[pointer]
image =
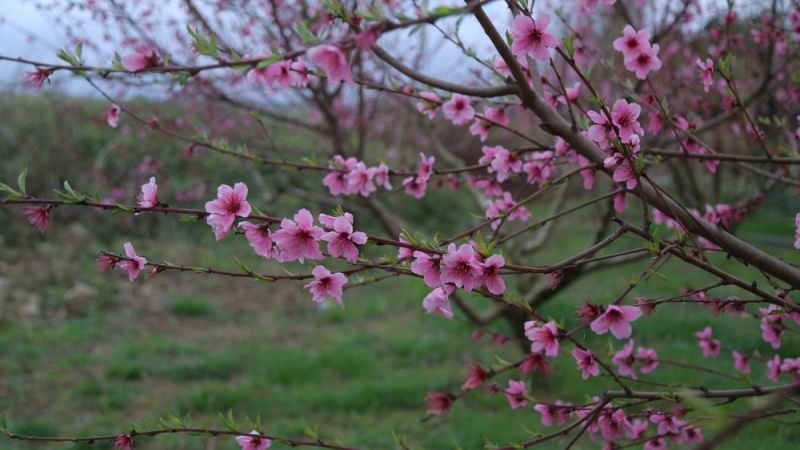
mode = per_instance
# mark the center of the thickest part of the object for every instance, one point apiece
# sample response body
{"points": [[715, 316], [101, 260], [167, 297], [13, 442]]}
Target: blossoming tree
{"points": [[676, 129]]}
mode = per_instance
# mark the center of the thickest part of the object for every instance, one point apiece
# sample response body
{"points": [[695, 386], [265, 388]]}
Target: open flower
{"points": [[112, 116], [38, 216], [144, 57], [333, 61], [617, 319], [133, 265], [326, 284], [530, 37], [253, 442], [148, 198], [230, 202], [299, 238], [516, 393]]}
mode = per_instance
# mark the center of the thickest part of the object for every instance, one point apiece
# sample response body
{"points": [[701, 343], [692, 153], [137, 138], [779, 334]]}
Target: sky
{"points": [[33, 33]]}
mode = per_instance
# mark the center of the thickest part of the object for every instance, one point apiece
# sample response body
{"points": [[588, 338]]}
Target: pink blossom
{"points": [[772, 328], [543, 337], [710, 346], [301, 73], [438, 301], [360, 179], [624, 360], [112, 116], [617, 319], [326, 284], [123, 442], [148, 198], [740, 362], [797, 223], [230, 202], [38, 216], [553, 278], [491, 279], [792, 366], [342, 240], [299, 238], [773, 368], [476, 375], [632, 42], [706, 73], [586, 362], [649, 359], [253, 442], [438, 403], [337, 180], [260, 238], [646, 61], [601, 129], [530, 37], [367, 38], [133, 265], [667, 423], [425, 166], [612, 425], [491, 116], [333, 61], [516, 393], [107, 262], [403, 253], [637, 429], [381, 176], [655, 443], [461, 267], [535, 361], [429, 104], [619, 202], [427, 266], [458, 109], [505, 205], [624, 117], [35, 80], [144, 57]]}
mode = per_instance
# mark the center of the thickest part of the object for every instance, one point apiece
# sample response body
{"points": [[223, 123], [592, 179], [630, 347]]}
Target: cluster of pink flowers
{"points": [[625, 126], [352, 176], [483, 125], [506, 205], [286, 73], [711, 347], [639, 55], [613, 423], [462, 267], [624, 359], [417, 184]]}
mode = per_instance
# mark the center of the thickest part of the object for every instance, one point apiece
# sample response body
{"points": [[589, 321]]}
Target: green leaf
{"points": [[227, 421], [242, 266], [10, 191], [313, 433], [569, 44], [3, 422], [79, 50], [268, 61], [305, 34], [444, 11]]}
